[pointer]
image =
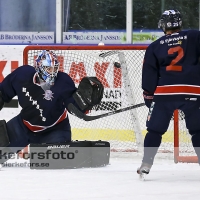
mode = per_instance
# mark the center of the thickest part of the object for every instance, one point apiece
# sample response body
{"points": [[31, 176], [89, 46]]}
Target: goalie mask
{"points": [[170, 20], [47, 66]]}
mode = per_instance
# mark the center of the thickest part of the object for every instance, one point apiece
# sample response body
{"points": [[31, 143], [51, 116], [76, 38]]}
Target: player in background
{"points": [[44, 94], [170, 81]]}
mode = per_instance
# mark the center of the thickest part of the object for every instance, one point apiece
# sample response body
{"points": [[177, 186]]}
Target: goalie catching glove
{"points": [[89, 93]]}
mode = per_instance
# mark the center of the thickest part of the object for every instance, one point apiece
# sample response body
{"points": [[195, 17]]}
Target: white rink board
{"points": [[10, 53]]}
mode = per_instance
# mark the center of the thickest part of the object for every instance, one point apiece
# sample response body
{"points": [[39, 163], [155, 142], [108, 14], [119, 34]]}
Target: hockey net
{"points": [[125, 131]]}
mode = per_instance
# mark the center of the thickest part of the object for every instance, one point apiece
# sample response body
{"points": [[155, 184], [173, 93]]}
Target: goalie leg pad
{"points": [[100, 153], [70, 155], [4, 139]]}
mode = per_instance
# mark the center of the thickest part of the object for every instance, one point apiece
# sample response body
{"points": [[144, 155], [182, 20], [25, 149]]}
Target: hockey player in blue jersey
{"points": [[44, 94], [170, 81]]}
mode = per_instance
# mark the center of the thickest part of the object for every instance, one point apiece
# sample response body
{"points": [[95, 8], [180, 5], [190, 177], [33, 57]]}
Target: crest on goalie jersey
{"points": [[48, 95]]}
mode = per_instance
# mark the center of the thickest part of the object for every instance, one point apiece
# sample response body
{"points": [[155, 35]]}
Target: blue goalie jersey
{"points": [[171, 68], [41, 109]]}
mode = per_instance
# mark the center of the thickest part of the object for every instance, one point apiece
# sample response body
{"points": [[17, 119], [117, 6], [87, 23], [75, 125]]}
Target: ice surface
{"points": [[117, 181]]}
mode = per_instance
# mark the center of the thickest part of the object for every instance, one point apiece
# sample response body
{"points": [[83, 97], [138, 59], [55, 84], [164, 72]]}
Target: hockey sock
{"points": [[152, 142]]}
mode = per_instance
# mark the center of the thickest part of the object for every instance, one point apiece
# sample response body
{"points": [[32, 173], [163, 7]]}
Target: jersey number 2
{"points": [[173, 66]]}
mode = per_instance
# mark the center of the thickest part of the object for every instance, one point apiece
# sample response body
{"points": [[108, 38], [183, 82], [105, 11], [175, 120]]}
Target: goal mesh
{"points": [[125, 131]]}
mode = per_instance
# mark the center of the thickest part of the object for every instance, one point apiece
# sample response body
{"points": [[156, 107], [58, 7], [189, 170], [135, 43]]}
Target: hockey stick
{"points": [[103, 54], [85, 117]]}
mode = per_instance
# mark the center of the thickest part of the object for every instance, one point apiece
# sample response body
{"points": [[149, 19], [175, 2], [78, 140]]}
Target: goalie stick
{"points": [[85, 117]]}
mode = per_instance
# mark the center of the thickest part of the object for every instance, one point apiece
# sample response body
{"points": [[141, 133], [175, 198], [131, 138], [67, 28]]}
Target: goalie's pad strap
{"points": [[4, 139]]}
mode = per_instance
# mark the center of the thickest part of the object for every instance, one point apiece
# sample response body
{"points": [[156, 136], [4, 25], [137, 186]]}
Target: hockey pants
{"points": [[20, 136]]}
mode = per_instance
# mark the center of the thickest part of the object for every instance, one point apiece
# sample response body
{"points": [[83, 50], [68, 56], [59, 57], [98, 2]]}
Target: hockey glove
{"points": [[89, 93], [148, 99]]}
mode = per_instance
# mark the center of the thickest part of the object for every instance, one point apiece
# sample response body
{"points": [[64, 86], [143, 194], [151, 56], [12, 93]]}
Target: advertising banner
{"points": [[26, 37], [109, 37]]}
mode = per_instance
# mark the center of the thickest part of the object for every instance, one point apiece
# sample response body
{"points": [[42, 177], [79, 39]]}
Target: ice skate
{"points": [[144, 170]]}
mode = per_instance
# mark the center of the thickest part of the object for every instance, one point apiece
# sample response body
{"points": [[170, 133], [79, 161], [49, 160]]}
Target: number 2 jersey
{"points": [[171, 68], [41, 110]]}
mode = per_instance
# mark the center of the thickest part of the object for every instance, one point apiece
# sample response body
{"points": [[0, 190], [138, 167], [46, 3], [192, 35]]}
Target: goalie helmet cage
{"points": [[119, 69]]}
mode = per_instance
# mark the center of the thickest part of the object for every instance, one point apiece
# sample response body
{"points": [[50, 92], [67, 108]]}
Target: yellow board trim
{"points": [[119, 135]]}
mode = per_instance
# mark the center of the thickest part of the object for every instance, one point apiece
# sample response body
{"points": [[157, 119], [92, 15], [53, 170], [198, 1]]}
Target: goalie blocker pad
{"points": [[70, 155]]}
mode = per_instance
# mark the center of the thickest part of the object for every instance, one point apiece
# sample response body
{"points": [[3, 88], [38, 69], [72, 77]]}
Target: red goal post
{"points": [[125, 131]]}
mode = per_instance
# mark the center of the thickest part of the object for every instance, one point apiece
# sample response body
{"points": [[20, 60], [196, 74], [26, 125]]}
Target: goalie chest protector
{"points": [[70, 155]]}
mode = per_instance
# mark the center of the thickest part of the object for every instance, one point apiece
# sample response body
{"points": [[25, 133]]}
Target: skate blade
{"points": [[142, 176]]}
